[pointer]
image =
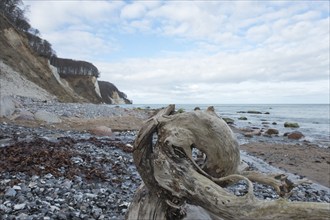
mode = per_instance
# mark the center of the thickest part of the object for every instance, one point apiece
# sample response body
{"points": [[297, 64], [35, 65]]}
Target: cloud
{"points": [[271, 73], [258, 34], [133, 11], [232, 93], [57, 15], [82, 45], [224, 52]]}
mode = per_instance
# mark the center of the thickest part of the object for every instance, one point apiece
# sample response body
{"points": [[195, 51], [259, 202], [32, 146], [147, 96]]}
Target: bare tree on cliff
{"points": [[14, 11], [69, 67]]}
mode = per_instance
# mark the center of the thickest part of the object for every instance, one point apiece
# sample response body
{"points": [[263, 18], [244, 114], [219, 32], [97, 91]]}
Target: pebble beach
{"points": [[66, 170]]}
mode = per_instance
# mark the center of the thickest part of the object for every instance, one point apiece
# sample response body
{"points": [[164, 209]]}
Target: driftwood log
{"points": [[178, 185]]}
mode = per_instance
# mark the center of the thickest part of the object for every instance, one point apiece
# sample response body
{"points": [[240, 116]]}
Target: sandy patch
{"points": [[116, 123], [303, 159]]}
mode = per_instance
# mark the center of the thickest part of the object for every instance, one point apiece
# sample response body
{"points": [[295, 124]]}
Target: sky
{"points": [[196, 52]]}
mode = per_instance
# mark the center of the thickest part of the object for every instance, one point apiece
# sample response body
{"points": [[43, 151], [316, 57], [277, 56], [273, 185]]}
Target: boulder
{"points": [[24, 115], [254, 112], [296, 135], [252, 132], [242, 118], [42, 115], [248, 129], [291, 125], [248, 134], [7, 106], [229, 120], [272, 131], [101, 131]]}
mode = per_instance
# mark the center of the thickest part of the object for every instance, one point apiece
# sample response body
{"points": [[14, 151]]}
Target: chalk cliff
{"points": [[66, 80]]}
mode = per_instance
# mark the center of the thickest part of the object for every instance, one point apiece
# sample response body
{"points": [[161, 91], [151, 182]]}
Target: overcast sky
{"points": [[207, 52]]}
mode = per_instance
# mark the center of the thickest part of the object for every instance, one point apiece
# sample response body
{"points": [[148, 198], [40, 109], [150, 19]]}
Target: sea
{"points": [[313, 119]]}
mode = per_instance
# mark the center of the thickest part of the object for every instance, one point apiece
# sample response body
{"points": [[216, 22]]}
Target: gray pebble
{"points": [[17, 187], [96, 212], [19, 206], [11, 192]]}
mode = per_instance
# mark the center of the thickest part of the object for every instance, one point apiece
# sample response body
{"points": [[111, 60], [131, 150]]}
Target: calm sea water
{"points": [[313, 119]]}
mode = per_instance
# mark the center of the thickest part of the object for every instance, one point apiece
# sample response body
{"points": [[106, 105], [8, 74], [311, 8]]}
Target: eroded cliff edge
{"points": [[21, 66]]}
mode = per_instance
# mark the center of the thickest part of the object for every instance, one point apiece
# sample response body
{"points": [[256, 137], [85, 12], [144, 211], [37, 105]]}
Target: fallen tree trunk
{"points": [[176, 187]]}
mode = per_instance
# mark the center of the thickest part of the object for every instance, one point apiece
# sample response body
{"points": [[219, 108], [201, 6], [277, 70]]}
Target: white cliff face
{"points": [[97, 88], [13, 83], [63, 82], [54, 71], [20, 58], [115, 99], [66, 86]]}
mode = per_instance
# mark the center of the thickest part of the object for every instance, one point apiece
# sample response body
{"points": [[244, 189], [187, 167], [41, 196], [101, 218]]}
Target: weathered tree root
{"points": [[176, 187], [279, 182]]}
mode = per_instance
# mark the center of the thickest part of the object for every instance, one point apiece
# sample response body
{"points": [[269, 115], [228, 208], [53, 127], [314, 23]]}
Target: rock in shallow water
{"points": [[296, 135], [291, 125], [272, 131], [229, 120]]}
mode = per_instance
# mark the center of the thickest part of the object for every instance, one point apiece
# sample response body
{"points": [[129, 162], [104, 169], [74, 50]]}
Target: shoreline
{"points": [[297, 157], [303, 159], [65, 170]]}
